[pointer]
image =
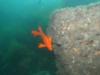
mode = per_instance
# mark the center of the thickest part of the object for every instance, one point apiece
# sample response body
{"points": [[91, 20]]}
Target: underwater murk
{"points": [[19, 52]]}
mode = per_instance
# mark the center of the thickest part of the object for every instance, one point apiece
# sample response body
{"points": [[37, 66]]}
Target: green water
{"points": [[19, 54]]}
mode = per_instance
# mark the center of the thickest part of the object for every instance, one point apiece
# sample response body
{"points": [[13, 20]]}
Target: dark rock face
{"points": [[76, 37]]}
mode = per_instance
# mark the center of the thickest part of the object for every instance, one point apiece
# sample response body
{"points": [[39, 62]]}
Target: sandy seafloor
{"points": [[19, 54]]}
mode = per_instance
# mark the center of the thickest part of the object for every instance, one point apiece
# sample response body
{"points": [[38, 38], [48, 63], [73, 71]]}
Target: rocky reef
{"points": [[76, 39]]}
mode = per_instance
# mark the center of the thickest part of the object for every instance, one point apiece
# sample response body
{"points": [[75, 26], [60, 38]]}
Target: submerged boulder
{"points": [[76, 39]]}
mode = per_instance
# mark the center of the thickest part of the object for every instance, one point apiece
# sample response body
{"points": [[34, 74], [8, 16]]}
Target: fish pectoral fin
{"points": [[41, 45], [49, 38], [35, 33]]}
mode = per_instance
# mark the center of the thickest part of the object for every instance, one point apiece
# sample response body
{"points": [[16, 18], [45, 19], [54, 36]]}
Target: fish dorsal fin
{"points": [[41, 45]]}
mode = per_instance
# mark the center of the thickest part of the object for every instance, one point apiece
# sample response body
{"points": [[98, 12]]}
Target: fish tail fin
{"points": [[39, 29], [35, 33]]}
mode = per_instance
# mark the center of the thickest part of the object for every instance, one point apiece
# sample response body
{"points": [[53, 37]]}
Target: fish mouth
{"points": [[50, 49]]}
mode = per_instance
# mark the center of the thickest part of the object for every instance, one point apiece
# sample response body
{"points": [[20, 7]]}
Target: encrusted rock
{"points": [[76, 37]]}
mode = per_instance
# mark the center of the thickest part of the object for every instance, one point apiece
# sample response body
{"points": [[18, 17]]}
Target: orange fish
{"points": [[47, 40]]}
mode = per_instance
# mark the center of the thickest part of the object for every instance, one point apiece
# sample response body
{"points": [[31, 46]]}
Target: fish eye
{"points": [[58, 44]]}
